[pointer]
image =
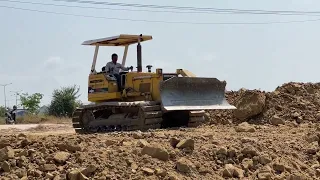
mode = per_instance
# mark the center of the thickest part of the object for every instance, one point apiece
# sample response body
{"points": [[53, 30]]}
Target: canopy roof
{"points": [[120, 40]]}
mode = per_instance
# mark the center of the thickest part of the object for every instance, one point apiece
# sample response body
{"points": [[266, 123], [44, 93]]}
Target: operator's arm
{"points": [[125, 68]]}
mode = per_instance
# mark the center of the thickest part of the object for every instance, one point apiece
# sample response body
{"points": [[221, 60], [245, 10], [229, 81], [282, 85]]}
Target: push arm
{"points": [[185, 73]]}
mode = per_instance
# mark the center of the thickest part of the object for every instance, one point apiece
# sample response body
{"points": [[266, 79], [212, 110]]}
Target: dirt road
{"points": [[37, 128]]}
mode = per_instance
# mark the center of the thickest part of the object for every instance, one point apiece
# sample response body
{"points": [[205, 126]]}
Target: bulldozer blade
{"points": [[193, 93]]}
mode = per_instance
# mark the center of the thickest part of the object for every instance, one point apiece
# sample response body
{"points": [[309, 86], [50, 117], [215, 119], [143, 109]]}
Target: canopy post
{"points": [[139, 55], [125, 55], [93, 67]]}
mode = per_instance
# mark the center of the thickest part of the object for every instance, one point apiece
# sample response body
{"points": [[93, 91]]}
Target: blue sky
{"points": [[41, 52]]}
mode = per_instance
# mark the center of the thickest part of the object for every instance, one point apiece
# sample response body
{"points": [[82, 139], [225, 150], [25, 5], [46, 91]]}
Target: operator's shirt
{"points": [[115, 68]]}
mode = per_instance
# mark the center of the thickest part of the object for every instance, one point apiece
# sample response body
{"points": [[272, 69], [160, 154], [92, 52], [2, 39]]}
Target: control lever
{"points": [[149, 68]]}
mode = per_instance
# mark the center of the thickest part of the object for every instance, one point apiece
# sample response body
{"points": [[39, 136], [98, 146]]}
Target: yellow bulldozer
{"points": [[145, 100]]}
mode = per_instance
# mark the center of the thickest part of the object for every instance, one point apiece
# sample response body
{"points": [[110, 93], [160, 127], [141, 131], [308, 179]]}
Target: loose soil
{"points": [[274, 135]]}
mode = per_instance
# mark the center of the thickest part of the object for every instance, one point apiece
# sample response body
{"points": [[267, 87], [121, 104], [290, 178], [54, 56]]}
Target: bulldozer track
{"points": [[138, 116]]}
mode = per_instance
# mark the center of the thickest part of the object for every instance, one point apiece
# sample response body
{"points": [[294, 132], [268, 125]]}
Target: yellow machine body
{"points": [[143, 86]]}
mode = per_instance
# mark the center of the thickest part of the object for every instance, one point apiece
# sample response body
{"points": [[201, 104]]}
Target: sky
{"points": [[41, 52]]}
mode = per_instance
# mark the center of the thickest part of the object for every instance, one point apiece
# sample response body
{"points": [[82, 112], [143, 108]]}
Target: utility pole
{"points": [[16, 93], [4, 92]]}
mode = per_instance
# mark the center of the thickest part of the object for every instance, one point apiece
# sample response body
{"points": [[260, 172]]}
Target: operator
{"points": [[113, 68]]}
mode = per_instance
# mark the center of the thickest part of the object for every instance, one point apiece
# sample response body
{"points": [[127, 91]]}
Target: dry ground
{"points": [[213, 152], [283, 144]]}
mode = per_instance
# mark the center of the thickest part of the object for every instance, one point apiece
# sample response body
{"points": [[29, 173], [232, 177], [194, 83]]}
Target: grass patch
{"points": [[2, 120], [40, 119]]}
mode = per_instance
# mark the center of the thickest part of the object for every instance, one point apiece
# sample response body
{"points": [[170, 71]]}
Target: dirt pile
{"points": [[297, 102], [217, 152]]}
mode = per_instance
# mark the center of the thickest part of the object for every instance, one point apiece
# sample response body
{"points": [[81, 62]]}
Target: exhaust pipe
{"points": [[139, 55]]}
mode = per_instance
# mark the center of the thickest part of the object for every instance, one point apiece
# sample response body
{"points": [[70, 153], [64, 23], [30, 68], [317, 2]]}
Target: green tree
{"points": [[64, 101], [31, 102], [2, 111]]}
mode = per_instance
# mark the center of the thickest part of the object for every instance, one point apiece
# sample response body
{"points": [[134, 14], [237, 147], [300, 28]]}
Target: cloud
{"points": [[166, 66], [53, 63], [209, 57]]}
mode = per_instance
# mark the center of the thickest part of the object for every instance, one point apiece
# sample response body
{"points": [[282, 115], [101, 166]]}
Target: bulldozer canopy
{"points": [[120, 40]]}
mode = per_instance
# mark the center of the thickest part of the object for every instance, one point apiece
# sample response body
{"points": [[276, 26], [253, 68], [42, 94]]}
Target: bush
{"points": [[31, 102], [2, 111], [64, 101]]}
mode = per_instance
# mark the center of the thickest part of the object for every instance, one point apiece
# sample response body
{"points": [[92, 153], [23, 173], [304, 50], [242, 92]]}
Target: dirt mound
{"points": [[297, 102], [249, 104], [217, 152]]}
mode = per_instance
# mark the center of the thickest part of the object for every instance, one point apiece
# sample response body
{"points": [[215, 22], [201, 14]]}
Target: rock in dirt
{"points": [[245, 127], [6, 166], [277, 166], [247, 163], [156, 151], [6, 153], [222, 150], [4, 143], [264, 159], [232, 153], [249, 151], [276, 120], [185, 165], [137, 135], [312, 148], [110, 142], [22, 153], [311, 137], [70, 146], [73, 175], [173, 176], [174, 142], [160, 172], [22, 135], [21, 172], [186, 143], [49, 167], [88, 170], [142, 143], [25, 142], [49, 176], [61, 157], [249, 104], [230, 171], [264, 176], [83, 177], [148, 171], [265, 173], [296, 177]]}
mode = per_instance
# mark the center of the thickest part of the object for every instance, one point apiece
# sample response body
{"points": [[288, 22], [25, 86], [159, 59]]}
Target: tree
{"points": [[2, 111], [31, 102], [64, 101]]}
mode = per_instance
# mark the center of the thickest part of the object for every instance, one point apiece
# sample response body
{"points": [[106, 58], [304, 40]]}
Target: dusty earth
{"points": [[272, 135]]}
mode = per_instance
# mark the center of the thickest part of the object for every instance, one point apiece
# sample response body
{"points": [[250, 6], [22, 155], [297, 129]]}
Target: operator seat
{"points": [[123, 78]]}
